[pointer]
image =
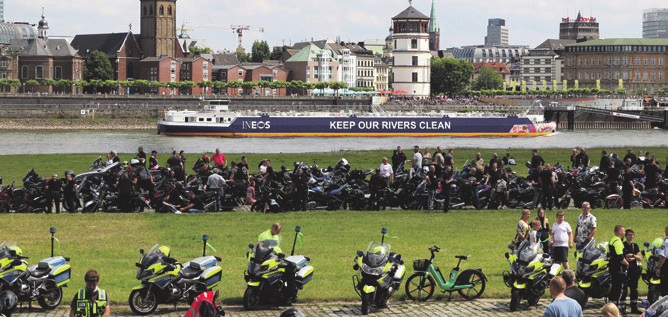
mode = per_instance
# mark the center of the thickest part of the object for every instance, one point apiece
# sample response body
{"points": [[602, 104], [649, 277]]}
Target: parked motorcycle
{"points": [[166, 281], [651, 257], [265, 274], [529, 274], [592, 269], [380, 274]]}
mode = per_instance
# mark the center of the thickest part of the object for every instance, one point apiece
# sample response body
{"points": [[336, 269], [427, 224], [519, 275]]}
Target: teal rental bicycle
{"points": [[420, 286]]}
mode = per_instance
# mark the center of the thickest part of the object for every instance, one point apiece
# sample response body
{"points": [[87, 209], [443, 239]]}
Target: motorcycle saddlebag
{"points": [[399, 274], [211, 276], [298, 260], [61, 274], [304, 275]]}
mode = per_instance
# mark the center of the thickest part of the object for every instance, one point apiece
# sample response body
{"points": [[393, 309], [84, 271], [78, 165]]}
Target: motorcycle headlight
{"points": [[253, 268], [147, 273], [371, 270], [264, 268]]}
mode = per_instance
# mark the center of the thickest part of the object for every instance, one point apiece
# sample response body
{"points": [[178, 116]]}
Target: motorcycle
{"points": [[529, 274], [264, 276], [380, 274], [166, 281], [592, 269], [658, 308], [651, 257], [43, 282], [615, 201]]}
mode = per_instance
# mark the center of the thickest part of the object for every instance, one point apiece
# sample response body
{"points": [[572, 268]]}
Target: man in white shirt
{"points": [[586, 226], [417, 159], [562, 240], [386, 171]]}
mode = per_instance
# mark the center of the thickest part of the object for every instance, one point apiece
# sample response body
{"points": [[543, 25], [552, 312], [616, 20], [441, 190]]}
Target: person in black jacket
{"points": [[54, 188], [398, 157], [632, 255], [605, 161], [536, 160], [547, 184], [69, 192], [630, 155], [627, 187], [300, 180], [582, 158]]}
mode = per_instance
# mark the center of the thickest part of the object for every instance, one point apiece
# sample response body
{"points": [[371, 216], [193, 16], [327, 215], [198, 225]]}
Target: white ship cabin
{"points": [[214, 112]]}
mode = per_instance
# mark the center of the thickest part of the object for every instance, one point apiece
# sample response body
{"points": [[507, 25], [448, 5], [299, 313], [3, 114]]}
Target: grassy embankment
{"points": [[110, 242]]}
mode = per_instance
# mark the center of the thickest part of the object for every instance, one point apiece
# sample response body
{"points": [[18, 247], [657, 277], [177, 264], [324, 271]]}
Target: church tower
{"points": [[434, 30], [158, 28], [43, 28]]}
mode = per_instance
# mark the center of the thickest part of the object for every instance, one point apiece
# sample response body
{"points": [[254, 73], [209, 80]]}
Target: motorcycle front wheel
{"points": [[420, 288], [653, 293], [366, 302], [613, 203], [514, 299], [51, 299], [143, 305], [251, 298]]}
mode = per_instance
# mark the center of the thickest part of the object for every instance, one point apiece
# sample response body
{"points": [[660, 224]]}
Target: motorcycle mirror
{"points": [[250, 245], [205, 237], [141, 251], [507, 256], [642, 252], [52, 230], [511, 247], [383, 230], [545, 255], [298, 229], [281, 256], [391, 259], [13, 252], [398, 257], [360, 253], [646, 244]]}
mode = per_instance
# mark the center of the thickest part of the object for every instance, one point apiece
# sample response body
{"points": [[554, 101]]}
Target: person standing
{"points": [[476, 179], [479, 163], [301, 188], [447, 181], [432, 186], [215, 183], [219, 160], [54, 188], [617, 266], [605, 160], [574, 161], [544, 231], [523, 228], [90, 301], [662, 267], [243, 174], [175, 164], [546, 182], [125, 190], [632, 255], [534, 178], [573, 291], [70, 192], [114, 157], [632, 156], [426, 157], [586, 226], [439, 160], [417, 160], [398, 159], [651, 171], [141, 156], [182, 156], [449, 159], [562, 305], [562, 240], [536, 160], [583, 158], [386, 171], [627, 187], [153, 160]]}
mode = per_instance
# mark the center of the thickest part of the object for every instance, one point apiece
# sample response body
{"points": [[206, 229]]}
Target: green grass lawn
{"points": [[15, 167], [110, 243]]}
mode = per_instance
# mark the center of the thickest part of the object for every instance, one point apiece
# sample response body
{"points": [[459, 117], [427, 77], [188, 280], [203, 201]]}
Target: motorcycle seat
{"points": [[189, 273], [463, 257], [39, 272]]}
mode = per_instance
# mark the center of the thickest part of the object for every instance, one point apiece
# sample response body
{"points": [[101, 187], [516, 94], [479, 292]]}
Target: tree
{"points": [[450, 76], [260, 51], [194, 51], [97, 66], [487, 79], [277, 52], [48, 82], [337, 85], [234, 85], [204, 84], [15, 83], [243, 57]]}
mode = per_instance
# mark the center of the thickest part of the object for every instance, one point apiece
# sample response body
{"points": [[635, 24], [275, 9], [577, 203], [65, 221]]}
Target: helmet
{"points": [[330, 168], [283, 167], [18, 250], [292, 312], [8, 302], [296, 165], [379, 249], [125, 163], [69, 172], [205, 158], [134, 161]]}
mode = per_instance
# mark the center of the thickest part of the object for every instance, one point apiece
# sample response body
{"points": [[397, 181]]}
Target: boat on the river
{"points": [[215, 119]]}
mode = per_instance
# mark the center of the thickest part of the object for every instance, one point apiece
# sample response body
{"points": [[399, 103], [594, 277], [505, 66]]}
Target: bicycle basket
{"points": [[421, 265]]}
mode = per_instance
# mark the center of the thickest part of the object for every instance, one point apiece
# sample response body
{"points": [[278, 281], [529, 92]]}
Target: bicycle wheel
{"points": [[477, 280], [420, 288]]}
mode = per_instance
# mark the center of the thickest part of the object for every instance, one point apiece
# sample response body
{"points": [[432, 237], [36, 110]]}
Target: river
{"points": [[72, 141]]}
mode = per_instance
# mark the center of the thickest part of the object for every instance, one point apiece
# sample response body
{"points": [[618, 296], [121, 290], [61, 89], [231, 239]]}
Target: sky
{"points": [[289, 21]]}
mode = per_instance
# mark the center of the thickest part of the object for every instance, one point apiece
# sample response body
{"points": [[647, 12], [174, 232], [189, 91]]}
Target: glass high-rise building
{"points": [[497, 33], [655, 23], [2, 10]]}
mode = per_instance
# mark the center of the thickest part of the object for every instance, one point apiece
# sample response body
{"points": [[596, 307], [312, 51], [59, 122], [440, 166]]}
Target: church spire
{"points": [[43, 27], [433, 25]]}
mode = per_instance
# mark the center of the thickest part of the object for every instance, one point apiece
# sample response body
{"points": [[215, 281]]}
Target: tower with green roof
{"points": [[434, 30]]}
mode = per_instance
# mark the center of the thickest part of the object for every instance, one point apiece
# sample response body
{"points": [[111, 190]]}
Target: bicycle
{"points": [[420, 286]]}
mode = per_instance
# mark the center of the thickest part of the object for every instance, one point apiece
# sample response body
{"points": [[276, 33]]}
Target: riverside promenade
{"points": [[481, 307]]}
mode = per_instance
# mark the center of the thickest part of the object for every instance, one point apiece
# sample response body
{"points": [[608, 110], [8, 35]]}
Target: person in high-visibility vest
{"points": [[90, 301], [617, 267]]}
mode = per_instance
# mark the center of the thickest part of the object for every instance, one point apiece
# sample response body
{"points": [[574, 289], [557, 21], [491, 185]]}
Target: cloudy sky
{"points": [[290, 21]]}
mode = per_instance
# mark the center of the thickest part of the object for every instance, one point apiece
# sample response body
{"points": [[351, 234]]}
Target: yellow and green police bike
{"points": [[43, 282], [592, 271], [380, 273], [529, 275], [267, 273], [651, 256], [166, 281], [420, 286]]}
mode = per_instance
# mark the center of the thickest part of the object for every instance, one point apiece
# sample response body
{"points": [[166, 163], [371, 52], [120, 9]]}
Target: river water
{"points": [[71, 141]]}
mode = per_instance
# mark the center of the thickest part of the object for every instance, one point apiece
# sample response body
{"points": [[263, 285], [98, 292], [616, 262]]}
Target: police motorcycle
{"points": [[166, 281], [651, 257], [43, 282], [8, 301], [529, 274], [264, 276], [658, 309], [380, 274], [592, 269]]}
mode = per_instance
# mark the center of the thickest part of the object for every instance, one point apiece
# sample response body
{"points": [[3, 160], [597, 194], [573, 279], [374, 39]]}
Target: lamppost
{"points": [[24, 88]]}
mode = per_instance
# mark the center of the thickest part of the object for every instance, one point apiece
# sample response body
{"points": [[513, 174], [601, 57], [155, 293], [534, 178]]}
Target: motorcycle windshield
{"points": [[593, 251], [525, 254], [4, 249], [154, 255], [264, 249], [377, 254]]}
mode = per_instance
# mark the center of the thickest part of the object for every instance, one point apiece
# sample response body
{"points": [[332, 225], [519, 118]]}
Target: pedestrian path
{"points": [[483, 307]]}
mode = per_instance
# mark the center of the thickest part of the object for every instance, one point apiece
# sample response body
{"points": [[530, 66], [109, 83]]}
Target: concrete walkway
{"points": [[483, 307]]}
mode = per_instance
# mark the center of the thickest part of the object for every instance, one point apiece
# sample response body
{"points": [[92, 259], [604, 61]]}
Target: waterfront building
{"points": [[434, 30], [254, 72], [613, 63], [578, 28], [499, 68], [496, 54], [389, 42], [543, 65], [158, 29], [312, 64], [411, 68], [375, 45], [195, 69], [163, 69], [497, 33], [347, 71], [122, 49], [380, 75], [655, 23]]}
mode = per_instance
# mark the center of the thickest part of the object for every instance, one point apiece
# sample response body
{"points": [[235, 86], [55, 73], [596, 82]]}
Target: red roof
{"points": [[493, 65]]}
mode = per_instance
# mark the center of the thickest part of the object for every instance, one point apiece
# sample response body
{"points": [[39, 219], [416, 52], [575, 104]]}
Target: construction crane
{"points": [[238, 29]]}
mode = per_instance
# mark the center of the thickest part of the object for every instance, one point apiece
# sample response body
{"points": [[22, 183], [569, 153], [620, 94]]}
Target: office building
{"points": [[655, 23], [497, 33]]}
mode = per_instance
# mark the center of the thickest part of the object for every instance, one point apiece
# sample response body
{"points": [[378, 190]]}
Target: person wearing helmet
{"points": [[292, 312], [176, 165], [8, 301], [90, 301]]}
